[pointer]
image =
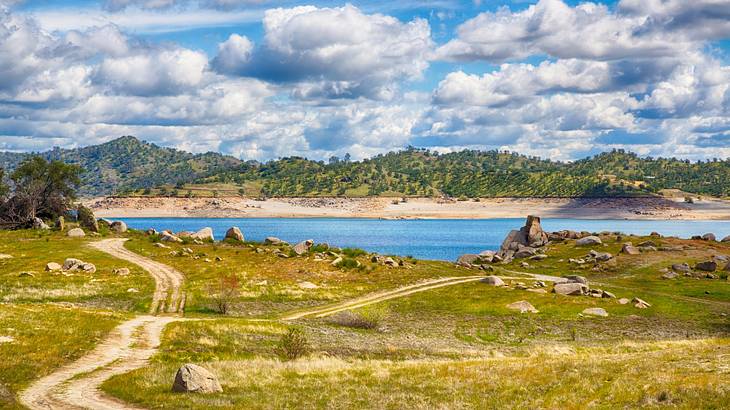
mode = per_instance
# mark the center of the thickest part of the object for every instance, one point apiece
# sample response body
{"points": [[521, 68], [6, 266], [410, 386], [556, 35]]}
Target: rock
{"points": [[151, 232], [121, 271], [87, 219], [53, 267], [272, 240], [525, 252], [39, 224], [72, 264], [655, 235], [623, 301], [577, 279], [487, 254], [570, 289], [513, 240], [218, 259], [5, 256], [601, 256], [186, 250], [707, 266], [88, 267], [307, 285], [530, 235], [595, 312], [235, 234], [709, 237], [161, 245], [468, 260], [539, 257], [389, 262], [132, 290], [26, 275], [205, 234], [337, 261], [191, 378], [61, 223], [522, 306], [493, 280], [524, 264], [303, 247], [118, 227], [725, 239], [681, 267], [630, 249], [638, 303], [76, 233], [589, 241], [649, 243], [168, 236], [647, 249], [608, 295], [670, 275]]}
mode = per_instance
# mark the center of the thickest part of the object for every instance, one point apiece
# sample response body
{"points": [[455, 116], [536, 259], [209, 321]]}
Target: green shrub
{"points": [[293, 344], [366, 318], [353, 252], [348, 263]]}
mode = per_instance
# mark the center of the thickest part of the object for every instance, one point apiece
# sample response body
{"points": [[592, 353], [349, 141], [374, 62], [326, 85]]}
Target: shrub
{"points": [[367, 318], [293, 344], [348, 263], [224, 292], [353, 252]]}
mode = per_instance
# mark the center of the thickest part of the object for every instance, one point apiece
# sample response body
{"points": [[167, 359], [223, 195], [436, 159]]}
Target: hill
{"points": [[129, 166], [128, 163]]}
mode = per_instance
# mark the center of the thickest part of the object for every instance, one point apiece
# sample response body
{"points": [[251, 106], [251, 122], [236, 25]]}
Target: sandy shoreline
{"points": [[414, 208]]}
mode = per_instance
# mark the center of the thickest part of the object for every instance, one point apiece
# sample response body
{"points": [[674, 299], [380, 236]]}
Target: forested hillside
{"points": [[127, 165]]}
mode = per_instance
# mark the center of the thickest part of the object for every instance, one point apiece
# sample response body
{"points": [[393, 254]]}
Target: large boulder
{"points": [[530, 235], [234, 234], [273, 240], [76, 233], [630, 249], [205, 234], [725, 239], [53, 267], [522, 306], [118, 227], [681, 267], [570, 289], [493, 280], [706, 266], [168, 236], [191, 378], [303, 247], [468, 260], [589, 241], [709, 237], [525, 252], [577, 279]]}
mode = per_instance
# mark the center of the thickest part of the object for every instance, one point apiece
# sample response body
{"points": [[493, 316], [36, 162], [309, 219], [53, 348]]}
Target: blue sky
{"points": [[261, 79]]}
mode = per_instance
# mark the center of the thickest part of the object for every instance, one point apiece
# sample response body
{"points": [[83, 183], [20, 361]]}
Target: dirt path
{"points": [[128, 346], [379, 297]]}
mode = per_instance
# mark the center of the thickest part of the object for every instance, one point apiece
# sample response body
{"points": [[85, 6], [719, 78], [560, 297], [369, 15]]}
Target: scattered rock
{"points": [[151, 231], [168, 236], [234, 233], [539, 257], [522, 306], [709, 237], [601, 256], [307, 285], [5, 256], [707, 266], [205, 234], [524, 264], [648, 243], [670, 275], [72, 264], [681, 267], [161, 245], [595, 312], [39, 224], [76, 233], [589, 241], [121, 271], [525, 252], [638, 303], [468, 260], [118, 227], [630, 249], [570, 289], [623, 301], [191, 378], [608, 295], [26, 275], [493, 280], [389, 262], [303, 247], [53, 266], [132, 290], [218, 259], [725, 239], [272, 240], [577, 279]]}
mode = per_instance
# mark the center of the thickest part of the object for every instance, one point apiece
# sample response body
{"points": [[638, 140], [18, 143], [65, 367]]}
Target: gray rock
{"points": [[118, 227], [39, 224], [522, 306], [539, 257], [706, 266], [121, 271], [468, 260], [76, 233], [608, 295], [709, 237], [640, 304], [303, 247], [191, 378], [525, 252], [623, 301], [272, 240], [531, 235], [570, 289], [577, 279], [589, 241], [601, 256], [205, 234], [681, 267], [53, 267], [630, 249], [725, 239], [234, 233], [493, 280], [168, 236], [670, 275], [595, 312], [72, 264]]}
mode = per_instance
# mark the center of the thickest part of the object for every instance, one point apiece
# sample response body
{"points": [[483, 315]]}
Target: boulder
{"points": [[272, 240], [468, 260], [151, 232], [72, 264], [87, 219], [76, 233], [648, 243], [670, 275], [235, 234], [39, 224], [570, 289], [161, 245], [493, 281], [522, 306], [601, 256], [307, 285], [595, 312], [389, 262], [531, 235], [577, 279], [5, 256], [53, 267], [623, 301], [640, 304], [608, 295], [191, 378], [630, 249], [589, 241], [709, 237], [706, 266], [525, 252], [118, 227], [725, 239], [121, 271], [303, 247], [681, 267], [514, 239], [205, 234], [168, 236]]}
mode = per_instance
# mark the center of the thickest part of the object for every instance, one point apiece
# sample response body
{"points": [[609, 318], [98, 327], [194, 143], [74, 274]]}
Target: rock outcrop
{"points": [[235, 234]]}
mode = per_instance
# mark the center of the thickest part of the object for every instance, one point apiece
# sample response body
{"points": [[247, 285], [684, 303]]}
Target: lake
{"points": [[442, 239]]}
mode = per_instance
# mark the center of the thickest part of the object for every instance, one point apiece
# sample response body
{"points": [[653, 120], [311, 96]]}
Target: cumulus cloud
{"points": [[334, 52]]}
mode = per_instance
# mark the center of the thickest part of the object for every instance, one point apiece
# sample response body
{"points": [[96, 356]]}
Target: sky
{"points": [[264, 79]]}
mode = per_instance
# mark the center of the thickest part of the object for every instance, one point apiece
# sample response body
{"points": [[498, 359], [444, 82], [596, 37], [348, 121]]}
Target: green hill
{"points": [[128, 165]]}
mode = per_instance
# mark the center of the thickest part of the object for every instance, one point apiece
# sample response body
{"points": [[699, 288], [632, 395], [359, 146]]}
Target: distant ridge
{"points": [[129, 165]]}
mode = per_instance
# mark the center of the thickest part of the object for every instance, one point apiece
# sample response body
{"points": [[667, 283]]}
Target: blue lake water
{"points": [[443, 239]]}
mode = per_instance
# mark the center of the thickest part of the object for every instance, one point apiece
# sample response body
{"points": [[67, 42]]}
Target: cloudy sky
{"points": [[262, 79]]}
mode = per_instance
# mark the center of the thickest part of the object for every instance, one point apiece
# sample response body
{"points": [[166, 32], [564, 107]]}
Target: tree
{"points": [[41, 189], [4, 189], [224, 292]]}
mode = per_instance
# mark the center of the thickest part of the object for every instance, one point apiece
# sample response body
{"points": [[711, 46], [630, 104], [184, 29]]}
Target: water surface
{"points": [[443, 239]]}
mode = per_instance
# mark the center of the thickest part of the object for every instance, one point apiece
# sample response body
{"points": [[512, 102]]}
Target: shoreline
{"points": [[653, 208]]}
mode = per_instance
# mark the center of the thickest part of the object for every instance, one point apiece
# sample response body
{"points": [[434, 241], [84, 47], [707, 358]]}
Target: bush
{"points": [[348, 263], [353, 252], [367, 318], [224, 292], [293, 344]]}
